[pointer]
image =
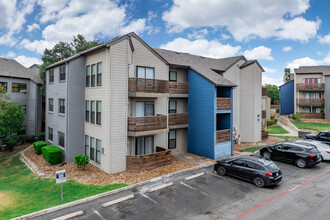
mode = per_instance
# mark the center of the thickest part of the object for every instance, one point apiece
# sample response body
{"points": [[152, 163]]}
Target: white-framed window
{"points": [[50, 134], [93, 75], [61, 106], [98, 112], [50, 105], [62, 73], [87, 111], [86, 145], [98, 151], [88, 76], [145, 72], [172, 106], [92, 148], [172, 139], [61, 139], [173, 76], [51, 76], [99, 74], [145, 109], [144, 145]]}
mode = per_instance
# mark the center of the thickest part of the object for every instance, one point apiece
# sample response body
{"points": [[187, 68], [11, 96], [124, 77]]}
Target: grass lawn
{"points": [[277, 130], [253, 149], [23, 192], [314, 126]]}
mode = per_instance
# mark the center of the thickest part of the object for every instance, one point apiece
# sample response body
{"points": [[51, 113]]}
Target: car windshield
{"points": [[272, 167], [313, 150]]}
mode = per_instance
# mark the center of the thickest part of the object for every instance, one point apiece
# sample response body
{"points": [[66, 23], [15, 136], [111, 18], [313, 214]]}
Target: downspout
{"points": [[66, 139], [107, 106]]}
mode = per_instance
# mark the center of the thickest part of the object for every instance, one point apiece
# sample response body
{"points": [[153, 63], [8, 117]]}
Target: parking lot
{"points": [[302, 194]]}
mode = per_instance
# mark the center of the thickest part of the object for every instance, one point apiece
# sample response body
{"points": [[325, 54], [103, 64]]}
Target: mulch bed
{"points": [[93, 175], [269, 140]]}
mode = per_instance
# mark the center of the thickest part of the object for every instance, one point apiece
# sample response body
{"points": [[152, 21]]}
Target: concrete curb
{"points": [[91, 198], [29, 163]]}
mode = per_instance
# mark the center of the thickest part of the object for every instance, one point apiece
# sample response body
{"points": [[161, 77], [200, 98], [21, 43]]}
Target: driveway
{"points": [[303, 194]]}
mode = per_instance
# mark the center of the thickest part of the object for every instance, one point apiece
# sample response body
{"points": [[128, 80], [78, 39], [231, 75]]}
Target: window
{"points": [[145, 72], [93, 112], [51, 105], [92, 148], [87, 111], [173, 76], [144, 109], [4, 84], [172, 139], [86, 145], [51, 76], [238, 162], [250, 164], [61, 139], [18, 87], [98, 112], [98, 151], [93, 75], [24, 109], [61, 106], [312, 95], [172, 106], [62, 73], [99, 74], [50, 134], [88, 76], [144, 145], [22, 131], [312, 80]]}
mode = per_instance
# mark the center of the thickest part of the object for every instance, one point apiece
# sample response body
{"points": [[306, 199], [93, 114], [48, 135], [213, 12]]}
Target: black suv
{"points": [[290, 152], [323, 136], [252, 168]]}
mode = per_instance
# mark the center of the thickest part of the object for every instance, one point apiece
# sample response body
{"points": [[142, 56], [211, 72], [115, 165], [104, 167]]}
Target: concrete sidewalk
{"points": [[292, 133]]}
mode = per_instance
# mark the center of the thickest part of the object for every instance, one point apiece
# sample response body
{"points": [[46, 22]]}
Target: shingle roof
{"points": [[207, 67], [313, 69], [11, 68]]}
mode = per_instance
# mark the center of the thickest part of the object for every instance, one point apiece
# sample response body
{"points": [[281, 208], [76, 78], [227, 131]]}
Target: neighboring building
{"points": [[124, 98], [23, 85], [265, 105], [287, 98]]}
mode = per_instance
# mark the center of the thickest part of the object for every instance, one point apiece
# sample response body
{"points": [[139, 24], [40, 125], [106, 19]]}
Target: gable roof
{"points": [[313, 69], [249, 62], [206, 67], [11, 68]]}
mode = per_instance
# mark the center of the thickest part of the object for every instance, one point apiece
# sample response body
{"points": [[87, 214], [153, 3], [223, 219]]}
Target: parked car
{"points": [[323, 136], [254, 169], [323, 148], [301, 155]]}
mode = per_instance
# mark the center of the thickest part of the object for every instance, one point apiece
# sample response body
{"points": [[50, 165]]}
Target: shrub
{"points": [[31, 139], [277, 110], [38, 145], [296, 116], [41, 136], [11, 142], [275, 120], [81, 160], [23, 139], [52, 154]]}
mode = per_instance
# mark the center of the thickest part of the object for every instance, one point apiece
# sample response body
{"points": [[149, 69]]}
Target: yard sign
{"points": [[60, 178]]}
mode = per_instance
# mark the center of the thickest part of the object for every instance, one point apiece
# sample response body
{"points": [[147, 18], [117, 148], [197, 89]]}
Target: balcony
{"points": [[310, 86], [223, 104], [148, 123], [310, 102], [178, 119], [140, 87], [223, 136], [178, 88]]}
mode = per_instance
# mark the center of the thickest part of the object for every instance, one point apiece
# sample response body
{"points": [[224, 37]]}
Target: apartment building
{"points": [[123, 98], [23, 85], [265, 106]]}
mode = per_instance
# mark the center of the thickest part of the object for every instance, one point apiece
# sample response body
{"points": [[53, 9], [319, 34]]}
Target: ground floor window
{"points": [[61, 139], [312, 110], [93, 148], [144, 145], [172, 139], [86, 145], [50, 134], [98, 151]]}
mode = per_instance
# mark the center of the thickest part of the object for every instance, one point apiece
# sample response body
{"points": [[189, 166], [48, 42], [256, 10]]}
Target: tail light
{"points": [[328, 152], [311, 155], [269, 174]]}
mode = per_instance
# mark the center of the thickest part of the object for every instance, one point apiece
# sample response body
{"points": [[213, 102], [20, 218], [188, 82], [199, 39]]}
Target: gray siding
{"points": [[327, 97]]}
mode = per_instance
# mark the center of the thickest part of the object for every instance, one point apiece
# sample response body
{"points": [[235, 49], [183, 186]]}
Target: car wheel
{"points": [[301, 163], [221, 171], [266, 155], [322, 158], [259, 181]]}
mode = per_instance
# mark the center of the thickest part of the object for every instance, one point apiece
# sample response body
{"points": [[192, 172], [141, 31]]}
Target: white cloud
{"points": [[202, 47], [305, 61], [137, 26], [286, 49], [33, 27], [271, 79], [225, 36], [269, 70], [38, 45], [11, 54], [27, 61], [281, 18], [198, 34], [325, 39], [261, 53]]}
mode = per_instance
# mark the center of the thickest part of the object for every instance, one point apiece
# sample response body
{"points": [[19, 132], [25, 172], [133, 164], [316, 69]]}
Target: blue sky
{"points": [[279, 34]]}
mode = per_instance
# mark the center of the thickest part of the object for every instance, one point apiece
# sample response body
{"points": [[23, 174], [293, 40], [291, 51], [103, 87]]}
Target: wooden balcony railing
{"points": [[264, 91], [178, 119], [148, 123], [177, 88], [263, 114], [223, 103], [310, 86], [304, 101], [147, 85], [223, 136]]}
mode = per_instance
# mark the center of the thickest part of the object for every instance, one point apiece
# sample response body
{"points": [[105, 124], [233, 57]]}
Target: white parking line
{"points": [[160, 187], [191, 187], [98, 214], [147, 197], [227, 179], [117, 201], [194, 176], [72, 215]]}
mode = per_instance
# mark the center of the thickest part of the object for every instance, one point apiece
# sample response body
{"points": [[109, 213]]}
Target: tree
{"points": [[63, 50], [273, 92], [11, 114]]}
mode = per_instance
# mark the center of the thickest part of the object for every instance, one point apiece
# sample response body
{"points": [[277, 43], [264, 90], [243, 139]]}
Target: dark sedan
{"points": [[252, 168], [302, 156], [323, 136]]}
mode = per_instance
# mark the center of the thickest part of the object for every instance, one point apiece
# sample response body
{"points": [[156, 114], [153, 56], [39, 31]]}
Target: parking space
{"points": [[210, 196]]}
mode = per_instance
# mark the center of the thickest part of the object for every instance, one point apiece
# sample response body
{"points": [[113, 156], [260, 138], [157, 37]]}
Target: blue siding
{"points": [[287, 98], [223, 149], [201, 109]]}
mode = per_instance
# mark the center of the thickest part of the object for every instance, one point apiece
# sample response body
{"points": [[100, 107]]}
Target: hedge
{"points": [[41, 136], [11, 142], [38, 145], [52, 154]]}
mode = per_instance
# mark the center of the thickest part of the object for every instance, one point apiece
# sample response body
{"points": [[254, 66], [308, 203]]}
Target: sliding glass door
{"points": [[144, 145]]}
